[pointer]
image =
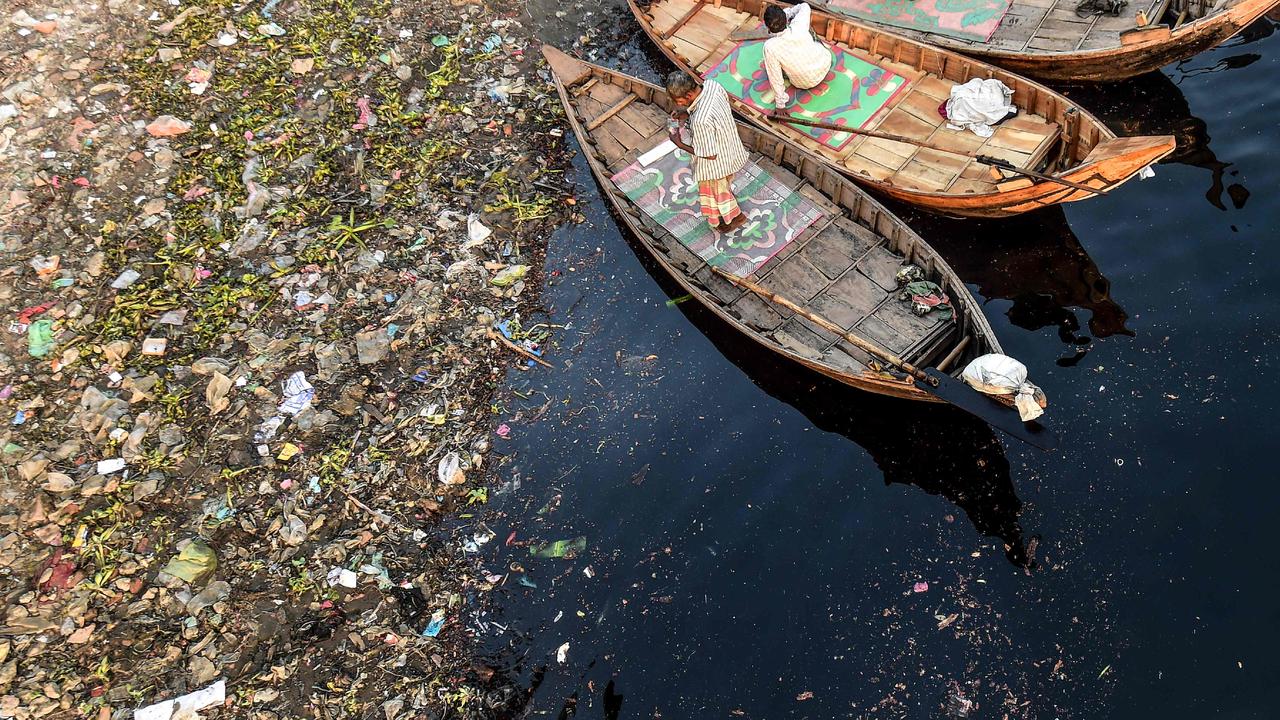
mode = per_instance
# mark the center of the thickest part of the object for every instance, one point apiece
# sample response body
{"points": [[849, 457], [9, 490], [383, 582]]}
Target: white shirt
{"points": [[714, 133], [795, 52]]}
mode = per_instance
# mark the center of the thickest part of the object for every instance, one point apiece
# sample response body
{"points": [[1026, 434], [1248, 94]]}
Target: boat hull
{"points": [[567, 70], [1013, 197], [1141, 50]]}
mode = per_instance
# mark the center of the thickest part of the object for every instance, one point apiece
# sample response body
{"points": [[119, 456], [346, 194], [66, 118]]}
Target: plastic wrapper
{"points": [[1001, 375]]}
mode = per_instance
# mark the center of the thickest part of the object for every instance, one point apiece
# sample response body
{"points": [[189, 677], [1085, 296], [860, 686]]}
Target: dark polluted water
{"points": [[762, 542]]}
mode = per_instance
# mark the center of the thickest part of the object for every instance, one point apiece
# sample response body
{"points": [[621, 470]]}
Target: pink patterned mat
{"points": [[961, 19]]}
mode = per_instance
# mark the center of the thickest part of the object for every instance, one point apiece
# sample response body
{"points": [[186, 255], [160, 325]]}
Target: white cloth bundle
{"points": [[1002, 375], [977, 104]]}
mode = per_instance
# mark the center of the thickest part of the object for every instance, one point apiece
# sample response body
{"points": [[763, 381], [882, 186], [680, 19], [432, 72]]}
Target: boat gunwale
{"points": [[1038, 193], [1202, 25]]}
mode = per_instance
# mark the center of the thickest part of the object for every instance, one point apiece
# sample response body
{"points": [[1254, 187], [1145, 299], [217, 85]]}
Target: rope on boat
{"points": [[1086, 8]]}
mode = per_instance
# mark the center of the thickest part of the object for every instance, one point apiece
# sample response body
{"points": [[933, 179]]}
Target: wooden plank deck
{"points": [[1054, 26], [703, 40], [837, 268]]}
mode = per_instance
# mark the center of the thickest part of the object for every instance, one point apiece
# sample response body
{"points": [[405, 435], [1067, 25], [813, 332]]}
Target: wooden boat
{"points": [[1047, 39], [842, 267], [1050, 135]]}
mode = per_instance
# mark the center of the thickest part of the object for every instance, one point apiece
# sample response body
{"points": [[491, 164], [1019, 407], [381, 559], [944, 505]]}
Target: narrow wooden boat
{"points": [[842, 267], [1051, 135], [1048, 39]]}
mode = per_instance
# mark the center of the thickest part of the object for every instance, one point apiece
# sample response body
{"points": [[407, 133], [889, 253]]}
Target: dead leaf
{"points": [[215, 394], [167, 126], [81, 636]]}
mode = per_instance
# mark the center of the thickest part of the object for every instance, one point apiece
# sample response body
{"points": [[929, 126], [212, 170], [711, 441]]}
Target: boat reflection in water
{"points": [[1036, 262], [1153, 103], [935, 448]]}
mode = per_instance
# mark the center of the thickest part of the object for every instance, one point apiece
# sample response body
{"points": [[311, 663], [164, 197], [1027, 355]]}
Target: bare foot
{"points": [[737, 223]]}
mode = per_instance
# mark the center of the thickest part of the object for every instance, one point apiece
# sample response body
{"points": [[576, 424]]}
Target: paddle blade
{"points": [[998, 416]]}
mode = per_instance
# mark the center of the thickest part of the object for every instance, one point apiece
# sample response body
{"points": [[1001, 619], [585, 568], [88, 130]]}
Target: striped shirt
{"points": [[795, 55], [714, 133]]}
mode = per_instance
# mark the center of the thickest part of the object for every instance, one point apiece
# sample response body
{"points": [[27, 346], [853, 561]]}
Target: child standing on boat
{"points": [[793, 53], [717, 150]]}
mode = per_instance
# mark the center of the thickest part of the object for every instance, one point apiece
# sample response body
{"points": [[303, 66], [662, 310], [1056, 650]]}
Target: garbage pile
{"points": [[261, 263]]}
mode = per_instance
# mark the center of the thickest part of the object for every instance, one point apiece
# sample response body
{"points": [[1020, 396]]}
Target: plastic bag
{"points": [[195, 561], [979, 104], [1002, 375]]}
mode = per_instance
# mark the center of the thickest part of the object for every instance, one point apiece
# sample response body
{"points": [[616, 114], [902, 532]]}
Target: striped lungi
{"points": [[718, 202]]}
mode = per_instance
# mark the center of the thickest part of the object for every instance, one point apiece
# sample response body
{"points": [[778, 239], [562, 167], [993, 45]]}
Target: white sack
{"points": [[977, 104], [1002, 375]]}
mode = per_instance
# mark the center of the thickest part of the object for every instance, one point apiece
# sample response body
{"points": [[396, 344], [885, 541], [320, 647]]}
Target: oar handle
{"points": [[1006, 165], [793, 120], [865, 345]]}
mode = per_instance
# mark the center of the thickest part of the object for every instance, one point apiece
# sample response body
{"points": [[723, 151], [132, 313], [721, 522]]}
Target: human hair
{"points": [[775, 18], [679, 84]]}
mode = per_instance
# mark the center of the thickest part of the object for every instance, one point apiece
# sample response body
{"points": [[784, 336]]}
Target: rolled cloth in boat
{"points": [[996, 374], [979, 104]]}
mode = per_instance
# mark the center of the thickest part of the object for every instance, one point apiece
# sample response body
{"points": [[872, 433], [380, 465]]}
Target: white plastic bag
{"points": [[977, 104], [1002, 375]]}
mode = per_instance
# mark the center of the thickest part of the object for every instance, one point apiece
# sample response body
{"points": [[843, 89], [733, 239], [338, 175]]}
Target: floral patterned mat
{"points": [[961, 19], [666, 191], [850, 95]]}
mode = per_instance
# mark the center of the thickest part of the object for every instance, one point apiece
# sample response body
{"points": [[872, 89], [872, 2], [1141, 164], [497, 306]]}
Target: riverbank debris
{"points": [[244, 338]]}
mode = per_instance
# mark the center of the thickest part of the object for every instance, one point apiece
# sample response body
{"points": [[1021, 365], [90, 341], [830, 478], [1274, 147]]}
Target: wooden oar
{"points": [[930, 380], [984, 159], [1006, 165]]}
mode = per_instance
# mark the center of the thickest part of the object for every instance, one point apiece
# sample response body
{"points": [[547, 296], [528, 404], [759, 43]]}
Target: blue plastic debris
{"points": [[20, 417], [436, 624]]}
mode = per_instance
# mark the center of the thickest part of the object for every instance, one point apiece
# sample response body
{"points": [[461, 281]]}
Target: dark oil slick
{"points": [[756, 534]]}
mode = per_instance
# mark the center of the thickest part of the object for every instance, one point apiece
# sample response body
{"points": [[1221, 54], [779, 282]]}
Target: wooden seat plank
{"points": [[796, 279], [799, 340], [877, 331], [833, 252], [914, 328], [708, 30], [883, 153], [644, 119], [756, 313], [881, 267], [843, 361], [901, 122], [857, 292], [679, 25], [934, 86], [667, 13], [623, 133], [613, 110], [920, 176], [868, 168], [923, 107], [957, 140]]}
